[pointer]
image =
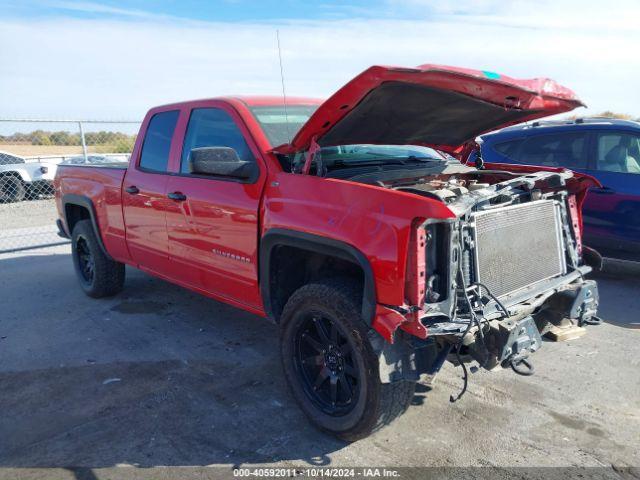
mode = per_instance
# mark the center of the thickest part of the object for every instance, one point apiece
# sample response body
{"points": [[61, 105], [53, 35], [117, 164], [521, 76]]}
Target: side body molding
{"points": [[315, 243]]}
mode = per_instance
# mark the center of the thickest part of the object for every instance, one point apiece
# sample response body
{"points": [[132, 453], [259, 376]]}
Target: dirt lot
{"points": [[27, 223], [27, 150], [159, 376], [28, 213]]}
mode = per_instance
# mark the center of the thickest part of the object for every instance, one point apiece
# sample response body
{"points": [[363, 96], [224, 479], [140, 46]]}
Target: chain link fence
{"points": [[30, 153]]}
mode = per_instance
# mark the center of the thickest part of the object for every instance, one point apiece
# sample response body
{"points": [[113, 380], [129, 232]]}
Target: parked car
{"points": [[608, 149], [378, 257], [20, 179]]}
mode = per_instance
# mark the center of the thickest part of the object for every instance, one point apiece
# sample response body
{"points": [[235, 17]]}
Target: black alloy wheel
{"points": [[98, 274], [331, 365], [326, 365]]}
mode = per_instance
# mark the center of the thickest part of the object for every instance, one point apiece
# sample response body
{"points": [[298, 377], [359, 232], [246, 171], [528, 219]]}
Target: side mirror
{"points": [[220, 161]]}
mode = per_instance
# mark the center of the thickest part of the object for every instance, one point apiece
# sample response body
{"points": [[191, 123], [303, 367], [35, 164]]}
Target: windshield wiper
{"points": [[380, 161], [410, 158], [368, 162], [425, 159]]}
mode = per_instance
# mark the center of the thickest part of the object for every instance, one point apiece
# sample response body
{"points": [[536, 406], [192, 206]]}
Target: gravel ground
{"points": [[28, 223], [159, 376], [28, 213]]}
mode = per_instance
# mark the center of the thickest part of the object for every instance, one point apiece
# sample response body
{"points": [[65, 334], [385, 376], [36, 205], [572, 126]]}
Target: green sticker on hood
{"points": [[491, 75]]}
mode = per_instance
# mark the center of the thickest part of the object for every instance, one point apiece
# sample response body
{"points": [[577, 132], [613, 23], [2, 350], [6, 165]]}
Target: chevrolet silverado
{"points": [[353, 225]]}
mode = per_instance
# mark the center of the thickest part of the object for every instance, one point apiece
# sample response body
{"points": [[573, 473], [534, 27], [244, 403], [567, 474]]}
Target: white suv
{"points": [[20, 178]]}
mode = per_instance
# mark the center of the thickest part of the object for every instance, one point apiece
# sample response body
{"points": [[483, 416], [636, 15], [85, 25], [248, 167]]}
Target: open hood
{"points": [[433, 105]]}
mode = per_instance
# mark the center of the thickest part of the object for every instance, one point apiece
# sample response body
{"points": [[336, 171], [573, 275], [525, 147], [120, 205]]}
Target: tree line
{"points": [[608, 114], [117, 141]]}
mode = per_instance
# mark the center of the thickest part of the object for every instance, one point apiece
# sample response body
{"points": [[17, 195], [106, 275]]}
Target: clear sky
{"points": [[112, 59]]}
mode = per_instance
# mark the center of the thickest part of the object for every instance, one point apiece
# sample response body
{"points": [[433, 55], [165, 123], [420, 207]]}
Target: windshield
{"points": [[280, 126]]}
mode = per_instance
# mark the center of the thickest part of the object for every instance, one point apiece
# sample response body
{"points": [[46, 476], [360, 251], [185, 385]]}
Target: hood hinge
{"points": [[310, 155]]}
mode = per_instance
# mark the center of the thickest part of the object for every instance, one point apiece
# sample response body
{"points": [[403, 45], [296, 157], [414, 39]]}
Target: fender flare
{"points": [[315, 243], [87, 203]]}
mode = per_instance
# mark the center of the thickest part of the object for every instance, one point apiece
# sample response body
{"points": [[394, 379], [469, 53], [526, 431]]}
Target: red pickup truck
{"points": [[353, 225]]}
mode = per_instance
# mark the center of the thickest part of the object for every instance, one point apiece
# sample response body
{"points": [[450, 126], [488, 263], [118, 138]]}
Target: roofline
{"points": [[580, 121], [248, 100], [269, 100]]}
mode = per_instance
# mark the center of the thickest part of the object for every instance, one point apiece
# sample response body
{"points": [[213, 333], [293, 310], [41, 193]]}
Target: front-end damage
{"points": [[507, 261], [486, 284]]}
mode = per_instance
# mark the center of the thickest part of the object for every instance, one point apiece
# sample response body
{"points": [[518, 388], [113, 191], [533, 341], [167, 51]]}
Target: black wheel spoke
{"points": [[314, 360], [322, 331], [322, 376], [351, 371], [346, 387], [334, 334], [313, 342], [334, 389]]}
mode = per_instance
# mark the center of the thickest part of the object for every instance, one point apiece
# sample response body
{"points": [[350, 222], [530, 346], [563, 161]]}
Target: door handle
{"points": [[132, 190], [180, 197]]}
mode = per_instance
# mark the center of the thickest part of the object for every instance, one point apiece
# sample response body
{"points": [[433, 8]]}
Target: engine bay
{"points": [[486, 278], [447, 190], [469, 189]]}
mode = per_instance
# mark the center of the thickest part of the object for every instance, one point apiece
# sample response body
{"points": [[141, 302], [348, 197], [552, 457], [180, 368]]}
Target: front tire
{"points": [[99, 276], [330, 365]]}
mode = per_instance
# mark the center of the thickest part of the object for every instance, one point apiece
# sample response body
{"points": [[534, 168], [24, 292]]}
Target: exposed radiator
{"points": [[518, 246]]}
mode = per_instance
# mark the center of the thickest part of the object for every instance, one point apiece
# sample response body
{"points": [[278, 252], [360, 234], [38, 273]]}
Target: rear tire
{"points": [[330, 365], [99, 276], [12, 189]]}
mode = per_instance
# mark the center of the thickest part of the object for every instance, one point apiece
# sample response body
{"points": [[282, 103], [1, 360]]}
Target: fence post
{"points": [[84, 144]]}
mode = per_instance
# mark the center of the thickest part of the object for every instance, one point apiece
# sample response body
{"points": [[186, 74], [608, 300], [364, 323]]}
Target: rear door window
{"points": [[560, 150], [618, 152], [157, 141]]}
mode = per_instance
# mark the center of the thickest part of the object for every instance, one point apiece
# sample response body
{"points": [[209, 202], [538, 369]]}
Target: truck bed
{"points": [[102, 184]]}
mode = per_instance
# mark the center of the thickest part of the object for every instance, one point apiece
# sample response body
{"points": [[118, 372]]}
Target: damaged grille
{"points": [[518, 246]]}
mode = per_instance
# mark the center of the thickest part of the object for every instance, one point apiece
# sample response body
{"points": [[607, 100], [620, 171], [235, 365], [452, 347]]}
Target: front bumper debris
{"points": [[506, 343]]}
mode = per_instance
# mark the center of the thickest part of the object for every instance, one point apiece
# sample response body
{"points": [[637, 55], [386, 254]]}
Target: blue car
{"points": [[607, 149]]}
